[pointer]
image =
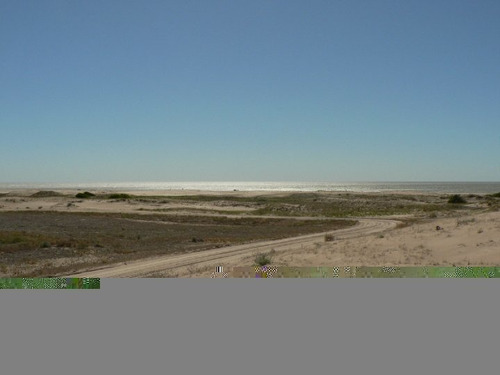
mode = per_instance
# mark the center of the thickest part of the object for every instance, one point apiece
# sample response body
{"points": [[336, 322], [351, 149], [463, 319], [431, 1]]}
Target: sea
{"points": [[355, 187]]}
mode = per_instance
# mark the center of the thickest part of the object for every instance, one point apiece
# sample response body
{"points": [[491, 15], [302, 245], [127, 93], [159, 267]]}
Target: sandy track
{"points": [[182, 264]]}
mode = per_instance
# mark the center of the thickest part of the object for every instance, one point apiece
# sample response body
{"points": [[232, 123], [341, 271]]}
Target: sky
{"points": [[261, 90]]}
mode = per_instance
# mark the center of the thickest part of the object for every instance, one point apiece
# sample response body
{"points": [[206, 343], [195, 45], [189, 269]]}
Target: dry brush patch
{"points": [[91, 238]]}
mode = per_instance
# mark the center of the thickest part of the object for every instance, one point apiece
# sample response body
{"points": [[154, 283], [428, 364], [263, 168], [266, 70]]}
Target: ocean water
{"points": [[429, 187]]}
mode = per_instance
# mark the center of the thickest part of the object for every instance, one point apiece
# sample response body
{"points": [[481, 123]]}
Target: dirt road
{"points": [[183, 265]]}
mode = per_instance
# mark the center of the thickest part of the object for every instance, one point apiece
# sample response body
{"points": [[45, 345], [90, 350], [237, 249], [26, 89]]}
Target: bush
{"points": [[85, 195], [496, 195], [456, 199], [262, 259], [329, 237]]}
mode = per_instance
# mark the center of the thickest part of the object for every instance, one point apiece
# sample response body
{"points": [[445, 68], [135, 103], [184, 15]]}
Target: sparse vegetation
{"points": [[16, 241], [456, 199], [89, 239], [465, 221], [8, 238], [305, 204], [46, 194], [192, 223], [120, 196]]}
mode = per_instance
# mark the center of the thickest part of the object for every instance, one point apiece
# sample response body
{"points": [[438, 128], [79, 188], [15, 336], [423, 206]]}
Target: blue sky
{"points": [[257, 90]]}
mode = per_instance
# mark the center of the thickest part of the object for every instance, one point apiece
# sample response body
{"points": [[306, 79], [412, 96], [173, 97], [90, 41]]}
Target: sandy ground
{"points": [[21, 200], [470, 239]]}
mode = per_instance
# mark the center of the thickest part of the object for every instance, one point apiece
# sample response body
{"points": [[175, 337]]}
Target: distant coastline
{"points": [[355, 187]]}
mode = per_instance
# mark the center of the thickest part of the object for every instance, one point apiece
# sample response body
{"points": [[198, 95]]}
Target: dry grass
{"points": [[46, 194]]}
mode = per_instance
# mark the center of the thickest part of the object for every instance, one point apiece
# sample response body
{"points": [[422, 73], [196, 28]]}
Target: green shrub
{"points": [[85, 195], [496, 195], [456, 199], [262, 259]]}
